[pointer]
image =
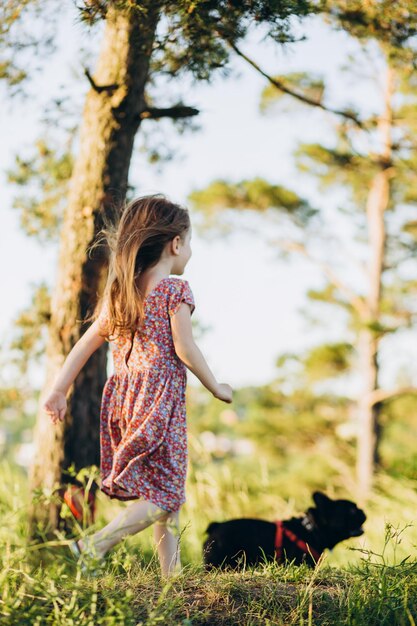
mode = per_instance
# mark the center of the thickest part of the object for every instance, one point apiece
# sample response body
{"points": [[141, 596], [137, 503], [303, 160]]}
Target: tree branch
{"points": [[100, 88], [355, 301], [292, 92], [176, 112], [381, 395]]}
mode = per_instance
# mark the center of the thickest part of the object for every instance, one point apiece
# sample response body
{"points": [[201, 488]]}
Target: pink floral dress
{"points": [[143, 430]]}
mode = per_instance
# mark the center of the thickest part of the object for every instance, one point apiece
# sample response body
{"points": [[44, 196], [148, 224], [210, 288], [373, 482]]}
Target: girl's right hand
{"points": [[224, 392], [56, 406]]}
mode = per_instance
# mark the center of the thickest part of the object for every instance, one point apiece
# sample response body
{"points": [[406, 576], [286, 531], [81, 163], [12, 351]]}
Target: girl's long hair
{"points": [[135, 244]]}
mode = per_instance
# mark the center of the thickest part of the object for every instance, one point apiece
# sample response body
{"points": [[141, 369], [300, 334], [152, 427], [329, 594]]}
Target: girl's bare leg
{"points": [[167, 538], [134, 518]]}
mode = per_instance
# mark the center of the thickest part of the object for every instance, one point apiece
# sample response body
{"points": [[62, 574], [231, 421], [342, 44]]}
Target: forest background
{"points": [[264, 318]]}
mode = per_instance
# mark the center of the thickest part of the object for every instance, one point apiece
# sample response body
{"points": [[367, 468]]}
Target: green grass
{"points": [[371, 580], [373, 593]]}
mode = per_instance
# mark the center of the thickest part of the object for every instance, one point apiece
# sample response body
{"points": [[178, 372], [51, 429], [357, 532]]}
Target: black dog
{"points": [[240, 542]]}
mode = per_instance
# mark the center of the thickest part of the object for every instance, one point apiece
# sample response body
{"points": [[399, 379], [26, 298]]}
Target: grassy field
{"points": [[368, 580]]}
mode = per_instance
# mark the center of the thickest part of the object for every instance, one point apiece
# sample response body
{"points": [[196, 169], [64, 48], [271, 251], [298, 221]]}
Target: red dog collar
{"points": [[279, 537]]}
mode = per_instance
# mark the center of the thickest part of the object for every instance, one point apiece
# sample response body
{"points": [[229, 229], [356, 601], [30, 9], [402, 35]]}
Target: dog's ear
{"points": [[321, 500]]}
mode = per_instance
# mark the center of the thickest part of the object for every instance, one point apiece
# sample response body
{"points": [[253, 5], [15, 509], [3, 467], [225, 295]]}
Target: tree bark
{"points": [[111, 118], [369, 430]]}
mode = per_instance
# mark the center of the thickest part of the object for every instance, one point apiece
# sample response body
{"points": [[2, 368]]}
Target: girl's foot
{"points": [[90, 561], [87, 547]]}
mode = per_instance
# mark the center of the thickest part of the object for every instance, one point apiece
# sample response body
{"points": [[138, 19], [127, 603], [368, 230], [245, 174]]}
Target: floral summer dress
{"points": [[143, 431]]}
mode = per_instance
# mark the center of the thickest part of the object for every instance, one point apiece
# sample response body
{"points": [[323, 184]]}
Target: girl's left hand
{"points": [[56, 406], [224, 392]]}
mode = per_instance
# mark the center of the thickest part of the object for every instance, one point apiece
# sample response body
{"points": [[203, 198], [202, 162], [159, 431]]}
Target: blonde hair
{"points": [[136, 243]]}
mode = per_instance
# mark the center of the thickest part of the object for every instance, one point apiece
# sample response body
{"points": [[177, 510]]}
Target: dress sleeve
{"points": [[180, 293]]}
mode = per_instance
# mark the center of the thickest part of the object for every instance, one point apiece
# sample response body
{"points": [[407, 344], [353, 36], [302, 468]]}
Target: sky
{"points": [[248, 299]]}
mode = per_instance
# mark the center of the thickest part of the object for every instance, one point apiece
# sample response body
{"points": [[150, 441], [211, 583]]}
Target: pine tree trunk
{"points": [[111, 119], [378, 201]]}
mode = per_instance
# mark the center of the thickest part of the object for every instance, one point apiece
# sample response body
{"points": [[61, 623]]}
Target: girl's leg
{"points": [[167, 538], [130, 521]]}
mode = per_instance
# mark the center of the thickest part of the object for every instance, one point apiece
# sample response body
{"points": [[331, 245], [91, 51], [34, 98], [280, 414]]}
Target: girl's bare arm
{"points": [[55, 403], [191, 355]]}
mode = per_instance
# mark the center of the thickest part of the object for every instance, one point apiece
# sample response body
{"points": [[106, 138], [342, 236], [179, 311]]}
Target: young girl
{"points": [[145, 314]]}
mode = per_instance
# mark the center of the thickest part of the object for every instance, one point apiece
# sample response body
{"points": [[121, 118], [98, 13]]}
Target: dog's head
{"points": [[336, 520]]}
